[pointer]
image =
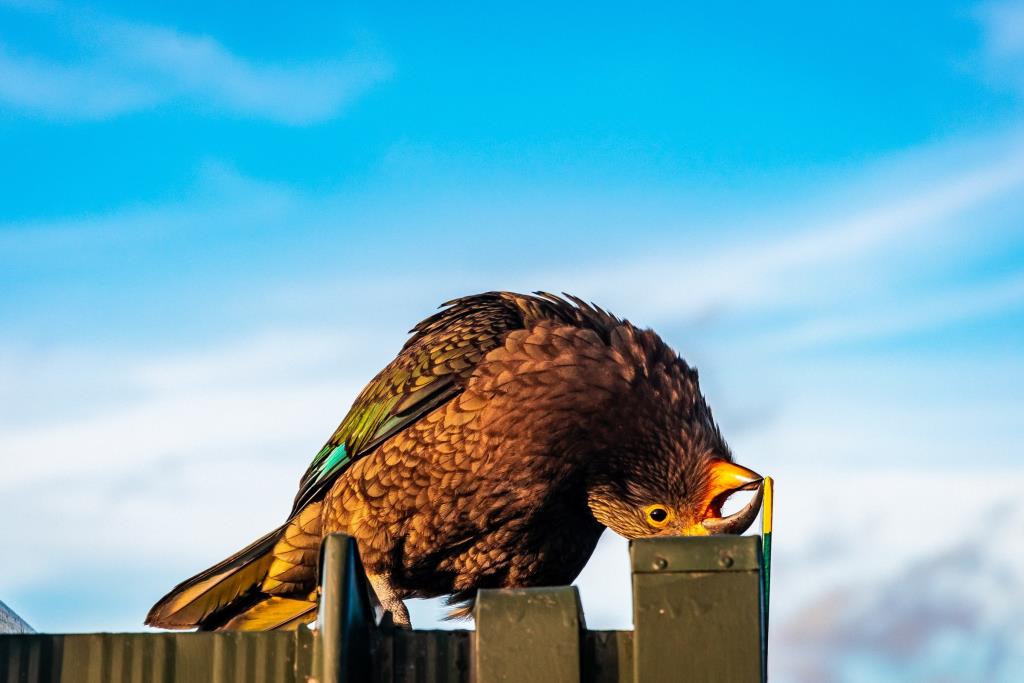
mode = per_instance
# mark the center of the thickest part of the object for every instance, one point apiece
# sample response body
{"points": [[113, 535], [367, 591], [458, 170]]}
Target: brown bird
{"points": [[491, 452]]}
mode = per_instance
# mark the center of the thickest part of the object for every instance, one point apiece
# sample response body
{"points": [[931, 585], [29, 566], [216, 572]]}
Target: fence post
{"points": [[697, 609], [345, 619], [527, 634]]}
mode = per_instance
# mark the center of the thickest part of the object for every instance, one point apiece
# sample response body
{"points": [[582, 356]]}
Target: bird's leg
{"points": [[389, 600]]}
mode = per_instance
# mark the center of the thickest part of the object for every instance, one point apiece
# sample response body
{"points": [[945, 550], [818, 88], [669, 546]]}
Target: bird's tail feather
{"points": [[221, 594], [272, 613]]}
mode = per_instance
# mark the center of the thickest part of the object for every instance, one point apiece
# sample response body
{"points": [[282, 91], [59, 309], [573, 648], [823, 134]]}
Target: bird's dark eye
{"points": [[657, 515]]}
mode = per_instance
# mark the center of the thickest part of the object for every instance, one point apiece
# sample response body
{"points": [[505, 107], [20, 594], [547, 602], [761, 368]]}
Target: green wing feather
{"points": [[431, 370]]}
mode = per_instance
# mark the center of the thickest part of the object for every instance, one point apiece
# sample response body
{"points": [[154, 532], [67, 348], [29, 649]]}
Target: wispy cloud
{"points": [[128, 66], [184, 403], [840, 274], [782, 269], [925, 312], [70, 90], [1002, 25], [836, 275]]}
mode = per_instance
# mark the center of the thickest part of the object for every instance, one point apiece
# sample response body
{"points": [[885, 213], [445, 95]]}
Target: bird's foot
{"points": [[394, 610], [389, 618]]}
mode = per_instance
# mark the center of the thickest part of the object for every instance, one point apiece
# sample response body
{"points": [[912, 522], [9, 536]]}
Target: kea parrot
{"points": [[492, 452]]}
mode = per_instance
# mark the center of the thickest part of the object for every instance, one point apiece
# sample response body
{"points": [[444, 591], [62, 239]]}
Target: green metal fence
{"points": [[697, 615]]}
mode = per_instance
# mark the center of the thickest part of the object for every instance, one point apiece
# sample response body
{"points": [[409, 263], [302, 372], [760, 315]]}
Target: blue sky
{"points": [[215, 227]]}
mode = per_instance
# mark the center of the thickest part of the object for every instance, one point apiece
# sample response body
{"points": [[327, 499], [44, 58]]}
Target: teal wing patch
{"points": [[332, 458]]}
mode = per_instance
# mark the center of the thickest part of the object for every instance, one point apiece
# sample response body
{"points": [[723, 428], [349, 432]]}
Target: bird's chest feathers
{"points": [[512, 533]]}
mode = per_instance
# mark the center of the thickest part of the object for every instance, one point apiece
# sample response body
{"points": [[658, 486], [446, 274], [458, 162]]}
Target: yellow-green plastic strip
{"points": [[766, 544]]}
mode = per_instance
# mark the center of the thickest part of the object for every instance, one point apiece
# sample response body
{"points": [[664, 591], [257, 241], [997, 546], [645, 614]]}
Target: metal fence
{"points": [[697, 615]]}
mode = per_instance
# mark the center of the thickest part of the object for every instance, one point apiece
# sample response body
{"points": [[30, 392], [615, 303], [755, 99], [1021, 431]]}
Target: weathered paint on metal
{"points": [[697, 609], [694, 554], [527, 634]]}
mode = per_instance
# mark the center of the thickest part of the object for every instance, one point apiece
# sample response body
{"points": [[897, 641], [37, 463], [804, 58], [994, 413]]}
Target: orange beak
{"points": [[726, 479]]}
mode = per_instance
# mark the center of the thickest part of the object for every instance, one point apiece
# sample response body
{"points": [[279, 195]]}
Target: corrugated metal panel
{"points": [[608, 656], [425, 657], [156, 657]]}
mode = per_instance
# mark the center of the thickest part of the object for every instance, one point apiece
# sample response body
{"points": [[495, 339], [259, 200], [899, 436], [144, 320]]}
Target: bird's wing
{"points": [[431, 370]]}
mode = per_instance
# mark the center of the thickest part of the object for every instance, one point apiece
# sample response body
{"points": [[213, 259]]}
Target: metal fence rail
{"points": [[697, 615]]}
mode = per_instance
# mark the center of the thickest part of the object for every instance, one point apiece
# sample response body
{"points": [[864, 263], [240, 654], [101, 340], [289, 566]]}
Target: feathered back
{"points": [[432, 368]]}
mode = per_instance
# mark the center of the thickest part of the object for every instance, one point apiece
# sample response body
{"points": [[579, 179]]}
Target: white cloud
{"points": [[236, 400], [267, 357], [69, 90], [1004, 28], [185, 457], [904, 574], [130, 66], [1002, 57]]}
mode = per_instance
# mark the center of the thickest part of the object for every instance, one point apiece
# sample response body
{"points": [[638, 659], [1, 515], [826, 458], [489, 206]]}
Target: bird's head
{"points": [[637, 509], [663, 468]]}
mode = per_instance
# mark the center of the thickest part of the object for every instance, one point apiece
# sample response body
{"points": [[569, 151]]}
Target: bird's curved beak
{"points": [[726, 479]]}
